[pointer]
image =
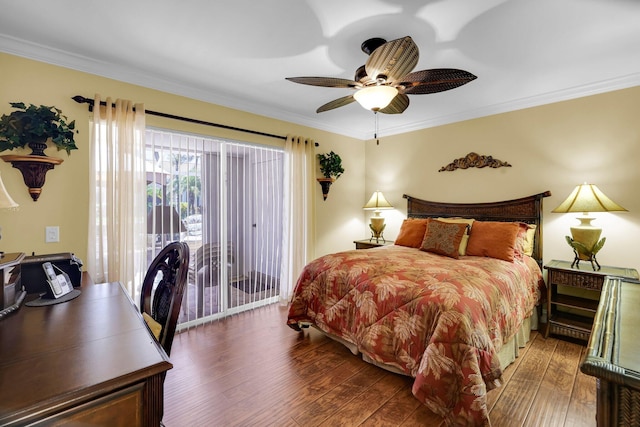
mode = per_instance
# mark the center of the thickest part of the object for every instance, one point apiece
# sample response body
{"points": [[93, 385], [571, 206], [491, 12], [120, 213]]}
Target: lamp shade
{"points": [[375, 97], [377, 202], [588, 198], [6, 202]]}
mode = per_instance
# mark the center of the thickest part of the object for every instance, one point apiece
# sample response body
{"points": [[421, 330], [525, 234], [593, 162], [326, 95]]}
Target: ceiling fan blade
{"points": [[435, 80], [336, 103], [325, 81], [393, 59], [397, 105]]}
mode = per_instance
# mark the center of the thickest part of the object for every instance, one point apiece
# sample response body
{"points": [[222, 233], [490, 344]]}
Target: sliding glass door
{"points": [[228, 199]]}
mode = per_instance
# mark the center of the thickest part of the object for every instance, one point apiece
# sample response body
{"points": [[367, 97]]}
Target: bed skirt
{"points": [[507, 355], [511, 349]]}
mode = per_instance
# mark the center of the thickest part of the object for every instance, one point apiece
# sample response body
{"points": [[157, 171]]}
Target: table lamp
{"points": [[376, 203], [6, 202], [585, 238]]}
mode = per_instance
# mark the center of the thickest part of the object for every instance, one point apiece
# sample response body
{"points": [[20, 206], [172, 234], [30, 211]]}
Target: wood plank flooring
{"points": [[253, 370]]}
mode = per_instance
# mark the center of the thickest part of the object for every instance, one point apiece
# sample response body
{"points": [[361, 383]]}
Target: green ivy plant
{"points": [[36, 124], [330, 165]]}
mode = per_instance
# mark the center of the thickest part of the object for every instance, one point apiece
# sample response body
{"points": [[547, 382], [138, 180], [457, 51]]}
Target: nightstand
{"points": [[570, 311], [366, 244]]}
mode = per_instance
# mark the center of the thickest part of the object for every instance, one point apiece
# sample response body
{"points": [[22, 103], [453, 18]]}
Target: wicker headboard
{"points": [[526, 209]]}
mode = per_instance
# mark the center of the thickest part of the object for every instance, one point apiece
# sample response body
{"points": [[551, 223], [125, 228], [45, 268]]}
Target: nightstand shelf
{"points": [[572, 315], [576, 303], [572, 325]]}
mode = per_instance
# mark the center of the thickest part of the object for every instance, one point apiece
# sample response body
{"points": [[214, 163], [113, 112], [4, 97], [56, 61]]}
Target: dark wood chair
{"points": [[162, 291]]}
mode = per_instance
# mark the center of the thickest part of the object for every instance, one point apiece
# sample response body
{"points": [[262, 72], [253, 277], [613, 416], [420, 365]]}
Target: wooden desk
{"points": [[613, 354], [88, 361]]}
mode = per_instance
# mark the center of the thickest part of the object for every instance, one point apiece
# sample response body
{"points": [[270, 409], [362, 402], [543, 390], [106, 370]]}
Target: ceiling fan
{"points": [[384, 81]]}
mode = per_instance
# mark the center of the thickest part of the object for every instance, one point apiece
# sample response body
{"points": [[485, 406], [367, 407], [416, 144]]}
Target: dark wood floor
{"points": [[253, 370]]}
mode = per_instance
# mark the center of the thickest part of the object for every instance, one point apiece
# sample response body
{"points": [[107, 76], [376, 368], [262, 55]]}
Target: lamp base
{"points": [[583, 253], [585, 242], [377, 238], [592, 259], [586, 234], [377, 227]]}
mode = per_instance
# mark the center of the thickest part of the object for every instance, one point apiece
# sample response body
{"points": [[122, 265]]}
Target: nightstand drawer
{"points": [[586, 281]]}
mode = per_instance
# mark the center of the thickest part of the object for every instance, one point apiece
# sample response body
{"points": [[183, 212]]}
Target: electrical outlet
{"points": [[52, 234]]}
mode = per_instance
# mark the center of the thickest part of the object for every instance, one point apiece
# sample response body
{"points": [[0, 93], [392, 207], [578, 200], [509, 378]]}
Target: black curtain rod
{"points": [[82, 100]]}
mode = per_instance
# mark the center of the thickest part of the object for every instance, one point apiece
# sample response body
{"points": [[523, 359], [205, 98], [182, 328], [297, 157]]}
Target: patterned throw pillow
{"points": [[443, 238], [462, 250]]}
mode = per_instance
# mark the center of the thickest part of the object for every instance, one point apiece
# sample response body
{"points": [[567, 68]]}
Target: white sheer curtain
{"points": [[117, 199], [298, 233]]}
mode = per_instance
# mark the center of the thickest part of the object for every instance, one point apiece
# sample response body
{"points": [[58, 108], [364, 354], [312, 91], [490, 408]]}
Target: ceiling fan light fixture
{"points": [[384, 81], [375, 97]]}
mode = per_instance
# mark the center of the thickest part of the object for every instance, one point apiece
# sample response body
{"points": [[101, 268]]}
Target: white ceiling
{"points": [[237, 53]]}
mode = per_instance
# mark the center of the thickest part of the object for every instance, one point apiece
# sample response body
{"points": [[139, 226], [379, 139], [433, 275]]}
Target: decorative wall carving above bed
{"points": [[474, 160], [525, 209]]}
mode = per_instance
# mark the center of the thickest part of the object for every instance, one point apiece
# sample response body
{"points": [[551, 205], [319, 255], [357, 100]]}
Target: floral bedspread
{"points": [[438, 319]]}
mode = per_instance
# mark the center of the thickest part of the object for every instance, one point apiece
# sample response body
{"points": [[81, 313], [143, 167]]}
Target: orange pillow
{"points": [[493, 239], [443, 238], [411, 232]]}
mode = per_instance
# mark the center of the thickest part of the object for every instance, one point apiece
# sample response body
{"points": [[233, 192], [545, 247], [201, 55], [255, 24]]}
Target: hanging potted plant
{"points": [[35, 126], [331, 169]]}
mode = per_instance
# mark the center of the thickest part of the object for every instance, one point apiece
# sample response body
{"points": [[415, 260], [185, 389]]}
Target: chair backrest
{"points": [[163, 288]]}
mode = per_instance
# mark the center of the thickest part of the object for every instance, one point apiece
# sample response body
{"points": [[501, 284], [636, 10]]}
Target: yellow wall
{"points": [[65, 195], [553, 147]]}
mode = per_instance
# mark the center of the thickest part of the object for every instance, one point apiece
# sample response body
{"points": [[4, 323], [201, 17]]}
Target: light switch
{"points": [[52, 234]]}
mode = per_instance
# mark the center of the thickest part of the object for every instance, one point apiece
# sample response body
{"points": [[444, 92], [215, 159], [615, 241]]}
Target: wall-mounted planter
{"points": [[325, 183], [331, 169], [34, 170]]}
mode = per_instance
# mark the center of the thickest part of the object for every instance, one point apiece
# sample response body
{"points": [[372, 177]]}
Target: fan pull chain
{"points": [[375, 133]]}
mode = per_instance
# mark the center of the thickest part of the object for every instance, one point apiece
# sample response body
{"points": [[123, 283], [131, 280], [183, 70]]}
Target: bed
{"points": [[451, 317]]}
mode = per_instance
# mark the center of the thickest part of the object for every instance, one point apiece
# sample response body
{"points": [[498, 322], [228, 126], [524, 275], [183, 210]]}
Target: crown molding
{"points": [[88, 65], [85, 64], [604, 86]]}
